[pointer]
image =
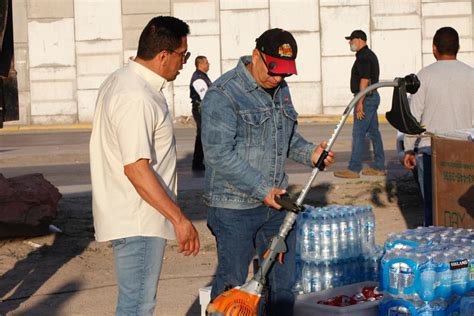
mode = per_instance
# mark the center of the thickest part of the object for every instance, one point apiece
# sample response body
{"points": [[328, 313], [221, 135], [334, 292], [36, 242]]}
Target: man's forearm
{"points": [[151, 190], [364, 83]]}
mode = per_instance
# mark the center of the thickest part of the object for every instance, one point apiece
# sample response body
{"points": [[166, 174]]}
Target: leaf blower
{"points": [[244, 300]]}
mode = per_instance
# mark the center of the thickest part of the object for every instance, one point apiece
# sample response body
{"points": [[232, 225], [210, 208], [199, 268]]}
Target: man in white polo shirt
{"points": [[133, 166]]}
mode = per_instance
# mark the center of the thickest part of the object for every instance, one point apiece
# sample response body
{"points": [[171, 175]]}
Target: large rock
{"points": [[28, 204]]}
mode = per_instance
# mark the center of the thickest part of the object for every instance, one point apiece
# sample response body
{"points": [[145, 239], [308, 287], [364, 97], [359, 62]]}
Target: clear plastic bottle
{"points": [[316, 283], [407, 278], [326, 275], [343, 238], [315, 237], [470, 284], [443, 275], [374, 261], [427, 280], [367, 226], [467, 305], [325, 236], [305, 237], [337, 276], [307, 275], [353, 235], [460, 270], [335, 232], [396, 306]]}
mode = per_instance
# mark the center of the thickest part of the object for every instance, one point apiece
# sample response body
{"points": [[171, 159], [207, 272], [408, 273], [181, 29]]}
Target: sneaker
{"points": [[373, 172], [346, 174]]}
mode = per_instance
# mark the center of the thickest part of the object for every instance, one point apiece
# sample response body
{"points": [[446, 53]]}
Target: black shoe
{"points": [[198, 167]]}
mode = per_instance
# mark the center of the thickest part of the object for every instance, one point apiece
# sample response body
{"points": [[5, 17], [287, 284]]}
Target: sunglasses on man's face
{"points": [[269, 72], [184, 55]]}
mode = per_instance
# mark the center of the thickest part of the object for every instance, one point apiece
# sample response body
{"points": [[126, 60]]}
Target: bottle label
{"points": [[458, 264]]}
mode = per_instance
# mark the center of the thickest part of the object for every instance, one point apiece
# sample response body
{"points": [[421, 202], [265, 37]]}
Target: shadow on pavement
{"points": [[406, 191], [31, 273]]}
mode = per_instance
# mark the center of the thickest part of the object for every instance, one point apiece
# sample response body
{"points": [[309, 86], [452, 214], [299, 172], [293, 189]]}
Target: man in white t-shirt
{"points": [[444, 103], [133, 166]]}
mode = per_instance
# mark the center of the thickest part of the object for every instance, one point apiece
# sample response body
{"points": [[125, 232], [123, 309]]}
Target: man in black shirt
{"points": [[365, 72], [198, 87]]}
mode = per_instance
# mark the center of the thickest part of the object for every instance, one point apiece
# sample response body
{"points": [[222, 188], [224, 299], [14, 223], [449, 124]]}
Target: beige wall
{"points": [[64, 49]]}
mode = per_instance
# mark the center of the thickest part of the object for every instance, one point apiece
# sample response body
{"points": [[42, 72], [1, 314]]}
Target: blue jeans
{"points": [[423, 164], [368, 126], [138, 266], [238, 234]]}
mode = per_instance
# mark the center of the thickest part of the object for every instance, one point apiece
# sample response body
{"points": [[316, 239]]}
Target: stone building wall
{"points": [[64, 49]]}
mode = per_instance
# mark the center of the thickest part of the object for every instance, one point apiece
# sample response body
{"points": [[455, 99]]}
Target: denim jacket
{"points": [[246, 137]]}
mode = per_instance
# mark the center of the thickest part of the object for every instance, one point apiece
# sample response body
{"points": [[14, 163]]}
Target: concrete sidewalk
{"points": [[71, 274]]}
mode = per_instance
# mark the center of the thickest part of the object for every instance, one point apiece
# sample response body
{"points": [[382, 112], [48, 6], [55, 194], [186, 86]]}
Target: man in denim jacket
{"points": [[248, 131]]}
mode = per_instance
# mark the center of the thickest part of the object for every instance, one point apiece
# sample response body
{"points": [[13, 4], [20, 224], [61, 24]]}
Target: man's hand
{"points": [[409, 161], [187, 237], [360, 115], [269, 200], [331, 157]]}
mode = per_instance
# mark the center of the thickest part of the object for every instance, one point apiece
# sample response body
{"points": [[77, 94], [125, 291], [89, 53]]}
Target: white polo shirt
{"points": [[131, 122]]}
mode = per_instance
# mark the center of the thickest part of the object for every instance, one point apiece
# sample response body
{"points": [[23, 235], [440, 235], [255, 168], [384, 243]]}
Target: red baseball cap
{"points": [[280, 49]]}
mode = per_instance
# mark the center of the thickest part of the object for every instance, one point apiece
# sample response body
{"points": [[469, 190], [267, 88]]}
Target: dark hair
{"points": [[161, 33], [199, 59], [446, 40]]}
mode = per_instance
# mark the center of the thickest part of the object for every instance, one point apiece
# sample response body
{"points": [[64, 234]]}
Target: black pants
{"points": [[198, 157]]}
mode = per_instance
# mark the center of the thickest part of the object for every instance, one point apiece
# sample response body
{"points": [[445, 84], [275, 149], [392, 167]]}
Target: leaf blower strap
{"points": [[400, 115]]}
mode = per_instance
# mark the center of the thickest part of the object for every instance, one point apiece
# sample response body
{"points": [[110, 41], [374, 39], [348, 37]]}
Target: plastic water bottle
{"points": [[427, 280], [307, 275], [439, 307], [337, 275], [326, 275], [353, 236], [370, 231], [298, 286], [373, 266], [367, 229], [407, 277], [471, 270], [343, 238], [335, 232], [443, 275], [305, 238], [325, 236], [394, 306], [460, 271], [467, 305], [316, 284], [315, 237]]}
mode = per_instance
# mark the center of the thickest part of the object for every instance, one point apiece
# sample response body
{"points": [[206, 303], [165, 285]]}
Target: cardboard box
{"points": [[453, 182]]}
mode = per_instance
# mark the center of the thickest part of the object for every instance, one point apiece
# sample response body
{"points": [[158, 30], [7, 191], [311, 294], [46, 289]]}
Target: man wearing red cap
{"points": [[248, 131]]}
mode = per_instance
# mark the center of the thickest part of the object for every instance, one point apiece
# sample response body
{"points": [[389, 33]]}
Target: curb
{"points": [[304, 119], [331, 119], [19, 128]]}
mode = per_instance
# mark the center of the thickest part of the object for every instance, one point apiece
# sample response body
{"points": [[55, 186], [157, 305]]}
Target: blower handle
{"points": [[320, 163], [288, 203]]}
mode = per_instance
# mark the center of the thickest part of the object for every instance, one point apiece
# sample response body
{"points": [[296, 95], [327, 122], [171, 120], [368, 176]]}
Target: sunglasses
{"points": [[184, 55], [272, 65]]}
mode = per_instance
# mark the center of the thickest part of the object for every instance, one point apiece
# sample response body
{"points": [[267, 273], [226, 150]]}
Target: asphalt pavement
{"points": [[62, 155]]}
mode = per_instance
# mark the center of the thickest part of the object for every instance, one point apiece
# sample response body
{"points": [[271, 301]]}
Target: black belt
{"points": [[369, 93]]}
